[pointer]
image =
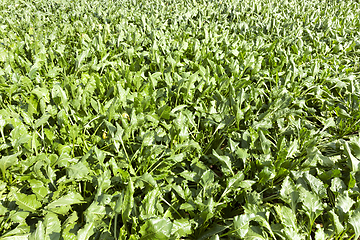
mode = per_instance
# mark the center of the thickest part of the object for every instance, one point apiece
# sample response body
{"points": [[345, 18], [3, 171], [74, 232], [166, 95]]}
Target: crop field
{"points": [[179, 119]]}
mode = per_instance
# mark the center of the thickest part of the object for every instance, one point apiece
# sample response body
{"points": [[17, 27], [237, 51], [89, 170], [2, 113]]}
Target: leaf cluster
{"points": [[179, 119]]}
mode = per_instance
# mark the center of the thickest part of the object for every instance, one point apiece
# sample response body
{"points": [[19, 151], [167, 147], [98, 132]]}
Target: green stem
{"points": [[115, 225]]}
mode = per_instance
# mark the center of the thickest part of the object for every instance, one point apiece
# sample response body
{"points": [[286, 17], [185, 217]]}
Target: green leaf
{"points": [[19, 217], [338, 185], [265, 175], [316, 185], [212, 230], [39, 232], [146, 177], [312, 205], [3, 210], [263, 220], [265, 143], [329, 123], [354, 221], [8, 161], [255, 233], [86, 232], [21, 140], [207, 178], [215, 237], [27, 202], [53, 72], [241, 224], [149, 203], [287, 216], [288, 193], [80, 58], [320, 234], [104, 182], [355, 146], [339, 228], [234, 182], [246, 184], [77, 171], [128, 202], [210, 209], [42, 120], [16, 237], [149, 139], [38, 188], [354, 163], [59, 95], [344, 202], [69, 225], [164, 112], [52, 226], [158, 228], [190, 176], [67, 200], [225, 162], [95, 212], [181, 228], [293, 148], [42, 93]]}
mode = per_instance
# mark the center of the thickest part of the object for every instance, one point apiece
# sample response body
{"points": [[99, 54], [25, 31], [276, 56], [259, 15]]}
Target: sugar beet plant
{"points": [[179, 119]]}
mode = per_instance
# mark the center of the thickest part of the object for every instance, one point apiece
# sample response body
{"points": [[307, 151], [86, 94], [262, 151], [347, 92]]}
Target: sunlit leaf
{"points": [[27, 202]]}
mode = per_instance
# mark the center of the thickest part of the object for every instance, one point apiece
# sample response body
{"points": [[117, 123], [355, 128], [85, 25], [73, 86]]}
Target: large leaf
{"points": [[8, 161], [86, 232], [128, 201], [27, 202], [355, 222], [52, 226], [312, 204], [225, 162], [67, 200], [158, 228], [241, 224]]}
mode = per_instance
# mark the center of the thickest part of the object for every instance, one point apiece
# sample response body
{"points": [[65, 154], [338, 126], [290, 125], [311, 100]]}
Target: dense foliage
{"points": [[179, 119]]}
